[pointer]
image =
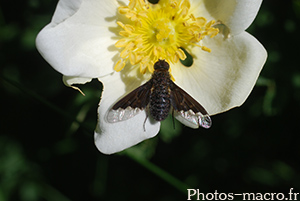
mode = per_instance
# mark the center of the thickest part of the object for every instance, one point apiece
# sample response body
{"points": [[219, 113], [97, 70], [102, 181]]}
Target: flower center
{"points": [[159, 31]]}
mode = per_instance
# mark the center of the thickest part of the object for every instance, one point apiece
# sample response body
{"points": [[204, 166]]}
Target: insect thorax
{"points": [[160, 95]]}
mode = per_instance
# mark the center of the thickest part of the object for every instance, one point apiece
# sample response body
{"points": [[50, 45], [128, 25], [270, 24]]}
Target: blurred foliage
{"points": [[46, 129]]}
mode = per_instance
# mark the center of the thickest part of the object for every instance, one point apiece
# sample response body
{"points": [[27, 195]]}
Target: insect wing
{"points": [[131, 104], [187, 110]]}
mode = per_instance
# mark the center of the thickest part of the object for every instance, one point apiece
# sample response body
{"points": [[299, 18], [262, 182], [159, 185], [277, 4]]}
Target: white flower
{"points": [[119, 41]]}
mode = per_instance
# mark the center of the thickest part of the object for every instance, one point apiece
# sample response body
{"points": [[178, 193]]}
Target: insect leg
{"points": [[145, 122]]}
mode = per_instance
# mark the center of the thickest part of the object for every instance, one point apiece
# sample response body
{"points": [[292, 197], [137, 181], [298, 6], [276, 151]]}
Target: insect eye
{"points": [[188, 62]]}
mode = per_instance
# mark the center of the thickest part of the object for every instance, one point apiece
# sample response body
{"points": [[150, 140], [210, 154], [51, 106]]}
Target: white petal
{"points": [[237, 15], [64, 10], [225, 77], [114, 137], [69, 81], [80, 39]]}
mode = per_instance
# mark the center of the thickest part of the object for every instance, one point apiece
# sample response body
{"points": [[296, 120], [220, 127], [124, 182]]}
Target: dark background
{"points": [[45, 154]]}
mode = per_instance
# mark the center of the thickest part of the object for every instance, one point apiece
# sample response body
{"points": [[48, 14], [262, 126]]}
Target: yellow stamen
{"points": [[121, 43], [119, 66], [181, 54], [206, 49], [159, 31]]}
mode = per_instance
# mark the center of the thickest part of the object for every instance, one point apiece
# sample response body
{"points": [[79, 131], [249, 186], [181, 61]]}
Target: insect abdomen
{"points": [[160, 96]]}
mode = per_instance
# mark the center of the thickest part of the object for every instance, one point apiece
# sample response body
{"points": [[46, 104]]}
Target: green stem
{"points": [[50, 105], [170, 179]]}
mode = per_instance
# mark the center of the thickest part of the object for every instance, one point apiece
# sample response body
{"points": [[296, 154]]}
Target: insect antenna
{"points": [[145, 122]]}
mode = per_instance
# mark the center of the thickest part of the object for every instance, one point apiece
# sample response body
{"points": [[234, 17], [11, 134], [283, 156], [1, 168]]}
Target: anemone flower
{"points": [[118, 42]]}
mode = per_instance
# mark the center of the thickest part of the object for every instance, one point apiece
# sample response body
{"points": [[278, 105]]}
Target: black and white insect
{"points": [[158, 97]]}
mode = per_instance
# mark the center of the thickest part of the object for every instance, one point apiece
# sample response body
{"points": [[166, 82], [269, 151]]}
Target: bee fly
{"points": [[158, 96]]}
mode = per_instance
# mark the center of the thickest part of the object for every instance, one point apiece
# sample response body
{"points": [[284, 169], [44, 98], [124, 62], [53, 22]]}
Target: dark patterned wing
{"points": [[131, 104], [187, 110]]}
